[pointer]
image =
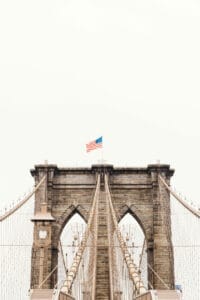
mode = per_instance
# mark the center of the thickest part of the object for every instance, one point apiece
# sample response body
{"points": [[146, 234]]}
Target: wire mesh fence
{"points": [[16, 237], [186, 242]]}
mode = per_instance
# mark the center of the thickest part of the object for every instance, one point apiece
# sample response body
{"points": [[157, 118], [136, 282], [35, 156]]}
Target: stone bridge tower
{"points": [[67, 191]]}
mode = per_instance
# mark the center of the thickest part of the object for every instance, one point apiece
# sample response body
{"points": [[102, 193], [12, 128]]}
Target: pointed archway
{"points": [[70, 239], [135, 239]]}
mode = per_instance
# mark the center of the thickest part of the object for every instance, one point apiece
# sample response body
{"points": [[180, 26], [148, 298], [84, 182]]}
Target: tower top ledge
{"points": [[151, 168]]}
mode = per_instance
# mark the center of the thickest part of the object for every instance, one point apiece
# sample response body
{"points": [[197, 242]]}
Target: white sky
{"points": [[71, 71]]}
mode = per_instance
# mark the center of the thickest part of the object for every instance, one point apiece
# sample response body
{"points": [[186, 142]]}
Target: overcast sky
{"points": [[71, 71]]}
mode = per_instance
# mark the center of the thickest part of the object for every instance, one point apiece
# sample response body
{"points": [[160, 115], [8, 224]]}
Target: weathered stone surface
{"points": [[134, 190], [102, 268]]}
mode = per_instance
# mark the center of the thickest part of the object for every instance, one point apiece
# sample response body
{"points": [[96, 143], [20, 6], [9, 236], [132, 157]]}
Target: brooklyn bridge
{"points": [[107, 260]]}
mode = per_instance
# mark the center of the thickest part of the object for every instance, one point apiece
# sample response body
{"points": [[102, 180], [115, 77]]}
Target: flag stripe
{"points": [[96, 144]]}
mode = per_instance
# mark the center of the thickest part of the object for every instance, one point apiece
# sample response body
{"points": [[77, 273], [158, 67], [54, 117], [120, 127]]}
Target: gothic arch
{"points": [[72, 210], [64, 218], [136, 215]]}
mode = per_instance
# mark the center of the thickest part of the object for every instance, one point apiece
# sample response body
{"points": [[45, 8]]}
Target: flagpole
{"points": [[102, 156], [102, 160]]}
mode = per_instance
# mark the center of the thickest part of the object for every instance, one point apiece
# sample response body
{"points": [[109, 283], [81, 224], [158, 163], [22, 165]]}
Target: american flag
{"points": [[98, 143]]}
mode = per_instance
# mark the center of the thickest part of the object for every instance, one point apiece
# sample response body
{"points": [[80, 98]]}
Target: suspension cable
{"points": [[184, 203], [77, 259], [165, 222], [133, 271], [22, 202], [150, 267], [141, 254], [62, 255], [110, 254], [43, 282], [55, 268]]}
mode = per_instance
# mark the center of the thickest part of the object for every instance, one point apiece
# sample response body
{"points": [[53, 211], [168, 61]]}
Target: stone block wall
{"points": [[70, 190]]}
